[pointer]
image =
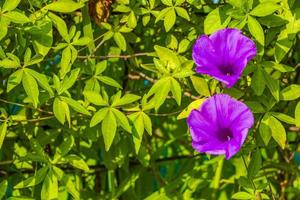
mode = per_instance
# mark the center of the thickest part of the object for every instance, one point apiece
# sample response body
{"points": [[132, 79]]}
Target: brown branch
{"points": [[294, 129], [25, 106], [125, 57]]}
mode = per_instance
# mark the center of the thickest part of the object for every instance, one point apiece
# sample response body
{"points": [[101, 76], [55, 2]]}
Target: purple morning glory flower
{"points": [[223, 55], [220, 125]]}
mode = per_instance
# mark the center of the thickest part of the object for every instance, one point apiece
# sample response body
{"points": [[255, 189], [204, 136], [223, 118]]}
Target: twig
{"points": [[294, 129], [114, 56], [25, 106]]}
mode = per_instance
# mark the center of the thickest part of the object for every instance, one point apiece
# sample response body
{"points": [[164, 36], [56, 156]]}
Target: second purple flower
{"points": [[223, 55]]}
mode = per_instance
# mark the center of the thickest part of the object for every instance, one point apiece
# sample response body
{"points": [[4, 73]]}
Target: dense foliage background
{"points": [[94, 96]]}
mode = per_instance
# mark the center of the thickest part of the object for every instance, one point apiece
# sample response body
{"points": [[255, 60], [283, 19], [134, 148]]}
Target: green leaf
{"points": [[99, 116], [182, 13], [14, 79], [109, 81], [38, 177], [3, 188], [183, 45], [278, 131], [162, 14], [68, 82], [160, 90], [75, 105], [82, 41], [147, 123], [10, 5], [255, 106], [216, 20], [71, 187], [297, 115], [61, 110], [64, 148], [258, 82], [167, 2], [256, 30], [8, 63], [171, 42], [254, 165], [31, 87], [290, 93], [200, 86], [264, 9], [283, 117], [194, 105], [64, 6], [50, 187], [132, 20], [41, 79], [17, 17], [242, 195], [138, 122], [273, 85], [65, 60], [3, 130], [41, 36], [100, 67], [77, 162], [120, 40], [170, 19], [4, 27], [176, 90], [264, 129], [122, 119], [109, 128], [95, 98], [126, 99], [60, 25], [285, 41], [167, 56], [127, 183]]}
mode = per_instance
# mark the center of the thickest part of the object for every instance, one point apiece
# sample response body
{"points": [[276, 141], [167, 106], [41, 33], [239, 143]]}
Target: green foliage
{"points": [[97, 110]]}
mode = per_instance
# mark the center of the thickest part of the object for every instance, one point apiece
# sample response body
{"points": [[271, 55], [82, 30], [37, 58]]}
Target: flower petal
{"points": [[223, 55], [220, 125], [204, 54], [233, 48]]}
